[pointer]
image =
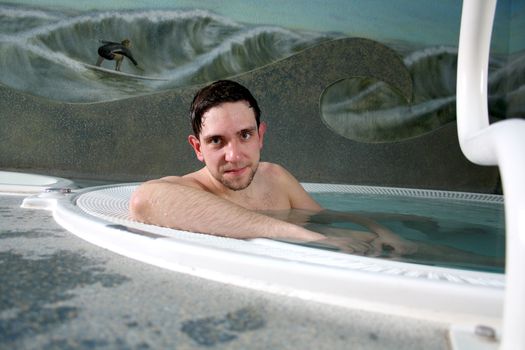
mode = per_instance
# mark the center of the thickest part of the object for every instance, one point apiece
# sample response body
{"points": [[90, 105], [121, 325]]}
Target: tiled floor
{"points": [[60, 292]]}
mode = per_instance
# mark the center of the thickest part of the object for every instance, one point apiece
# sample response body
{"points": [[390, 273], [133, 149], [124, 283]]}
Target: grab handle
{"points": [[501, 144]]}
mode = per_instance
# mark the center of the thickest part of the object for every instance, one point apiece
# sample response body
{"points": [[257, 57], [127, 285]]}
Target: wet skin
{"points": [[229, 144]]}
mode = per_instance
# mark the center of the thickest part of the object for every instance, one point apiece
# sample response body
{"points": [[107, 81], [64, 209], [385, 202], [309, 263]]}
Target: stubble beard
{"points": [[236, 185]]}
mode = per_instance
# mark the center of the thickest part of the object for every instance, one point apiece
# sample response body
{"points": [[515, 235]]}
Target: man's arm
{"points": [[126, 52], [384, 235], [299, 198], [179, 203]]}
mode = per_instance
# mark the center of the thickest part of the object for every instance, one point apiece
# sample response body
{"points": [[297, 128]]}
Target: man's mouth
{"points": [[235, 171]]}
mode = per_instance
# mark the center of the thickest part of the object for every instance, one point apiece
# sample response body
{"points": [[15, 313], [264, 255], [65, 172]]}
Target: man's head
{"points": [[227, 136], [126, 43], [216, 93]]}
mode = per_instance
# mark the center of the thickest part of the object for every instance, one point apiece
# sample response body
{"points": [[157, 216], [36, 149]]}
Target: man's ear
{"points": [[261, 130], [196, 145]]}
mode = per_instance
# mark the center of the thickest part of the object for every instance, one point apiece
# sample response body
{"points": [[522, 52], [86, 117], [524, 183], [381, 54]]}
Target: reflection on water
{"points": [[447, 233]]}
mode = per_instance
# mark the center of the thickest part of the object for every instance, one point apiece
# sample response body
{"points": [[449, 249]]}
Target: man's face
{"points": [[230, 143]]}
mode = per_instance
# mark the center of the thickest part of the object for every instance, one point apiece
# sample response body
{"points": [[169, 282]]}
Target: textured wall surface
{"points": [[145, 137]]}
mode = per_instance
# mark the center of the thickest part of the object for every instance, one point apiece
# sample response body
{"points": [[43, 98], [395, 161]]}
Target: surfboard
{"points": [[121, 74]]}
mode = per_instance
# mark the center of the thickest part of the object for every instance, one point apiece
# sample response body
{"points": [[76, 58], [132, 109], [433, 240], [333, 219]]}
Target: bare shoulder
{"points": [[190, 180], [287, 183], [157, 189], [274, 171]]}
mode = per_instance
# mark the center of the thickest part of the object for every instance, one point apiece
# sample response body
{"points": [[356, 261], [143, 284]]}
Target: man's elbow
{"points": [[139, 205]]}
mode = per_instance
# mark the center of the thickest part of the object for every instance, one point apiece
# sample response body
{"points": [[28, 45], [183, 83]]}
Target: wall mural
{"points": [[52, 52]]}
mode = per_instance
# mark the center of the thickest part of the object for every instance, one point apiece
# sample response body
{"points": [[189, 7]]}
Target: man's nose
{"points": [[233, 152]]}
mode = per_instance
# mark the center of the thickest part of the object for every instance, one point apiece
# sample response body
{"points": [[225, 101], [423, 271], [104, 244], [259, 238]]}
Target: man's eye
{"points": [[215, 140], [245, 135]]}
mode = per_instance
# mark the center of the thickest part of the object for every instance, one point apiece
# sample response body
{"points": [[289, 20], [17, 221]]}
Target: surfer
{"points": [[115, 51], [228, 196]]}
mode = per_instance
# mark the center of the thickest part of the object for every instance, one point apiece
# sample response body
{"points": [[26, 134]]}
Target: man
{"points": [[226, 197], [115, 51]]}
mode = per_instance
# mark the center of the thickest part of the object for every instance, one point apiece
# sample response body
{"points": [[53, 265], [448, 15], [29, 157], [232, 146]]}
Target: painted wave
{"points": [[369, 110], [42, 52]]}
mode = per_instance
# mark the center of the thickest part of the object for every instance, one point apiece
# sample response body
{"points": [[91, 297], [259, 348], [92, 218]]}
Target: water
{"points": [[449, 233]]}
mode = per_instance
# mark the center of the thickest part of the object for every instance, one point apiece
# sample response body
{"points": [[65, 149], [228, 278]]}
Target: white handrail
{"points": [[501, 144]]}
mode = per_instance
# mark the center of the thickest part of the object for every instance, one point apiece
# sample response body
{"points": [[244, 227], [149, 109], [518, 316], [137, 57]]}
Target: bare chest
{"points": [[266, 200]]}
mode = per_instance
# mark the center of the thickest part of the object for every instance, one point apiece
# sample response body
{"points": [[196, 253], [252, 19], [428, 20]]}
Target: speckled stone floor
{"points": [[60, 292]]}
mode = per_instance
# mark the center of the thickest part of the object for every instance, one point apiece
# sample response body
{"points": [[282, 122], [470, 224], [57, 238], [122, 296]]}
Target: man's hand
{"points": [[347, 244], [394, 245]]}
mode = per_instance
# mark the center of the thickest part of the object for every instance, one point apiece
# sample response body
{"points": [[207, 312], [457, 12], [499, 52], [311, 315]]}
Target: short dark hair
{"points": [[216, 93]]}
